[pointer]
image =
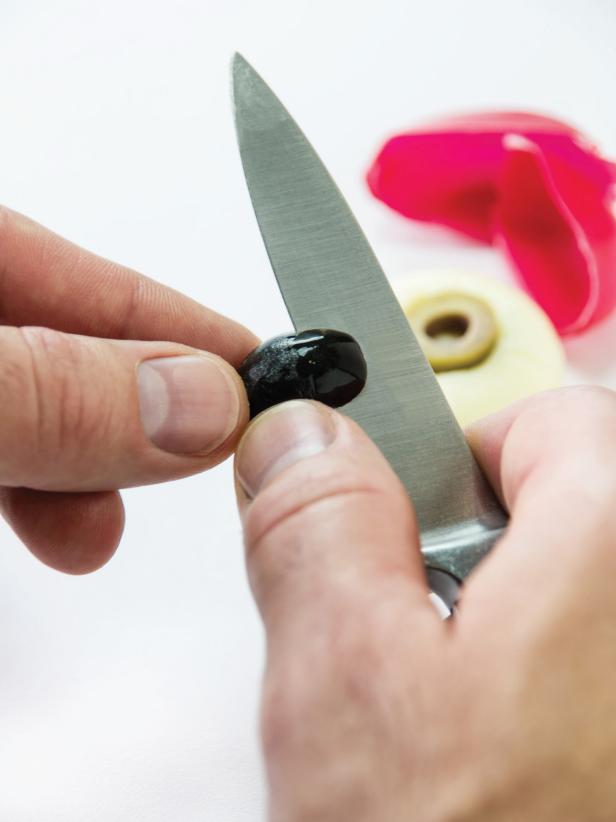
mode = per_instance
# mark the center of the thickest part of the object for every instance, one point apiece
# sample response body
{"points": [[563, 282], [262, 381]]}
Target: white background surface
{"points": [[132, 695]]}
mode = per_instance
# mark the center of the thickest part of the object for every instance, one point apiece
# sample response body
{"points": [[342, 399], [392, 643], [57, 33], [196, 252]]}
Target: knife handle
{"points": [[451, 558], [447, 589]]}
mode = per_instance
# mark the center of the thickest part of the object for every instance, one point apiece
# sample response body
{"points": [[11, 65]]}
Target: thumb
{"points": [[86, 414], [328, 525]]}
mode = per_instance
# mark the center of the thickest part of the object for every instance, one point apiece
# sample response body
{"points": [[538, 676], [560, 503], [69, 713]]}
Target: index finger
{"points": [[47, 280], [551, 457]]}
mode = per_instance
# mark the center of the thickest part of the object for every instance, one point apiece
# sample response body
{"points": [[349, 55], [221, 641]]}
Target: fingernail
{"points": [[188, 404], [280, 437]]}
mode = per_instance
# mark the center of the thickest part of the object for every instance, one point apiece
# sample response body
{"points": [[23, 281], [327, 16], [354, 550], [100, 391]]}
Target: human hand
{"points": [[374, 708], [92, 400]]}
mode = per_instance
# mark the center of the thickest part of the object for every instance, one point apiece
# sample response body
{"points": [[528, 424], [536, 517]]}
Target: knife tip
{"points": [[255, 105], [241, 72], [240, 67], [237, 60]]}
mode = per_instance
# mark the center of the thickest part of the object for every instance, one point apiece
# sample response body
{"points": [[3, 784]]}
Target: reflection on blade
{"points": [[330, 278]]}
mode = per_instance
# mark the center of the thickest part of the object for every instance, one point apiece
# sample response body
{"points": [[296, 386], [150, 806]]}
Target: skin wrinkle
{"points": [[502, 715], [87, 422], [72, 425], [138, 290], [512, 482], [127, 454], [39, 425], [74, 277], [144, 293], [78, 440], [308, 505], [14, 381], [68, 403], [296, 561]]}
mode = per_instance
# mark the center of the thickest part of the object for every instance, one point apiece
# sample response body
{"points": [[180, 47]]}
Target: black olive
{"points": [[319, 365]]}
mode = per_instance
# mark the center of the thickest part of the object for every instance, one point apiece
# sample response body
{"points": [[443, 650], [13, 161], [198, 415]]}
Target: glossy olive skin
{"points": [[320, 364]]}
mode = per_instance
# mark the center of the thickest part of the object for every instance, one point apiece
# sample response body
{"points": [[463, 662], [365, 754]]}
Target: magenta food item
{"points": [[529, 184]]}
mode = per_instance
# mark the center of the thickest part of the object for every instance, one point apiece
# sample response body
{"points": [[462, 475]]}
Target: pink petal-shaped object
{"points": [[448, 172], [559, 234], [531, 184]]}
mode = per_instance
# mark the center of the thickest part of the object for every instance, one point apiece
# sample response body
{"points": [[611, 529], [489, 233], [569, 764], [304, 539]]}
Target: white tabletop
{"points": [[132, 694]]}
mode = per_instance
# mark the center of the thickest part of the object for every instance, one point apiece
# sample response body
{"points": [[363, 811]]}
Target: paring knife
{"points": [[330, 278]]}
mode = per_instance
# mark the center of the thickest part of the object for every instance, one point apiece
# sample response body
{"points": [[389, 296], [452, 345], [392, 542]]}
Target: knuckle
{"points": [[578, 419], [55, 360], [58, 397], [15, 385], [298, 497], [20, 407], [555, 410], [136, 292], [289, 527], [284, 540], [13, 377], [594, 402], [564, 444]]}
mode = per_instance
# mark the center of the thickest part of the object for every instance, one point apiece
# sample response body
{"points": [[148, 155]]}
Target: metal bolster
{"points": [[457, 551]]}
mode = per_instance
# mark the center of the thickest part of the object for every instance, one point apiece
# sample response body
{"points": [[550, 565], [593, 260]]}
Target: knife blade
{"points": [[330, 278]]}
